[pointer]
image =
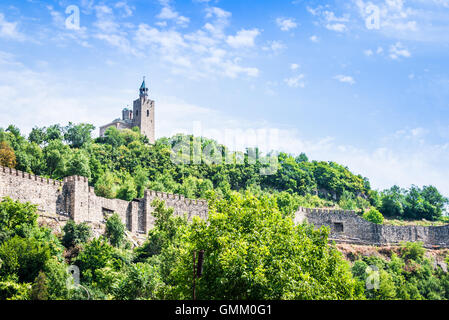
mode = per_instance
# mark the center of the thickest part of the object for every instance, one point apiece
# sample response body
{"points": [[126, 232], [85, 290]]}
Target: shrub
{"points": [[10, 290], [141, 282], [374, 216], [75, 233], [413, 251], [96, 255], [39, 290], [23, 257], [115, 230], [15, 215]]}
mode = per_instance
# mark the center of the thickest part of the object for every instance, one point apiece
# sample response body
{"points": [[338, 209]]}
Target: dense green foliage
{"points": [[408, 275], [75, 234], [415, 203], [122, 165], [253, 250], [373, 216], [115, 230]]}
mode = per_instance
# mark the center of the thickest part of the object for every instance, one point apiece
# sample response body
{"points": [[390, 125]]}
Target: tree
{"points": [[78, 165], [38, 135], [112, 137], [15, 216], [75, 234], [56, 155], [115, 230], [7, 156], [106, 185], [78, 135], [23, 257], [39, 290], [127, 190], [96, 255], [141, 181], [142, 281], [392, 202], [167, 230], [253, 252], [10, 290]]}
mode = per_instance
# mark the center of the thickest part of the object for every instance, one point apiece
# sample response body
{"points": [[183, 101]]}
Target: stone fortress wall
{"points": [[73, 198], [348, 227]]}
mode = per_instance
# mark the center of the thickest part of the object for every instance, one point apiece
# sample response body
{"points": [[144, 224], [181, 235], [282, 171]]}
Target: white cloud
{"points": [[294, 66], [314, 39], [275, 46], [329, 19], [243, 38], [197, 54], [127, 10], [345, 79], [338, 27], [286, 24], [418, 20], [398, 50], [9, 30], [295, 82], [368, 52], [168, 13]]}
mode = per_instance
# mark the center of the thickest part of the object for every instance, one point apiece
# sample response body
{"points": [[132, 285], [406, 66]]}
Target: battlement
{"points": [[73, 197], [24, 175], [75, 178]]}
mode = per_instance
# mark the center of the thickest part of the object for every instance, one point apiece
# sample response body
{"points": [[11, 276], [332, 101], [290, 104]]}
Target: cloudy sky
{"points": [[362, 83]]}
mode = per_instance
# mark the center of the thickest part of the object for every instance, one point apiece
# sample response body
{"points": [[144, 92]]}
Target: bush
{"points": [[75, 233], [96, 255], [15, 215], [374, 216], [141, 282], [10, 290], [23, 257], [39, 290], [413, 251], [57, 275], [115, 230]]}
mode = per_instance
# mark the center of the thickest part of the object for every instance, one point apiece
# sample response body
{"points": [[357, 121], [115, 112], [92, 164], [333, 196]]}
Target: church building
{"points": [[141, 116]]}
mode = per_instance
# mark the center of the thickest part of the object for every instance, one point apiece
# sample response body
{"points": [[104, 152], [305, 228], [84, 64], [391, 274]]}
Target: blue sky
{"points": [[363, 83]]}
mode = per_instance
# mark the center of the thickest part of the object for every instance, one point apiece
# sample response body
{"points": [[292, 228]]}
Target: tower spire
{"points": [[143, 89]]}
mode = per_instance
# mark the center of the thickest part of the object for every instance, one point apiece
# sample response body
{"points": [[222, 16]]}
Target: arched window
{"points": [[148, 113]]}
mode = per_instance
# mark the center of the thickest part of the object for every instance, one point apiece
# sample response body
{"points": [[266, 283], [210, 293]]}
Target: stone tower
{"points": [[143, 113]]}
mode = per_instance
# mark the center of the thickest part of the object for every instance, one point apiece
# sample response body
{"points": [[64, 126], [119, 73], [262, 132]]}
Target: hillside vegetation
{"points": [[122, 165], [252, 248]]}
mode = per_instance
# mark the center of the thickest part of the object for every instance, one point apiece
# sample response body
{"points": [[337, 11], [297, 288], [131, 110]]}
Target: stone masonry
{"points": [[74, 198], [348, 227]]}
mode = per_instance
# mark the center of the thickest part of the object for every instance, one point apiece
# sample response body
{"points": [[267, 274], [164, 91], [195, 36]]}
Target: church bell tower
{"points": [[143, 113]]}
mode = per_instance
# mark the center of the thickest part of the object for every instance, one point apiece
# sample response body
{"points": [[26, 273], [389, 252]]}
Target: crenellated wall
{"points": [[347, 226], [73, 198]]}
